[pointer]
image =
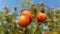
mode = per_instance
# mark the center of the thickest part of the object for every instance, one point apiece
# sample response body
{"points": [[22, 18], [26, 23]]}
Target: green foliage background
{"points": [[8, 23]]}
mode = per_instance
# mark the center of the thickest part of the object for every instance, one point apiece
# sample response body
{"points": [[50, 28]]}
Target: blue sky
{"points": [[10, 3]]}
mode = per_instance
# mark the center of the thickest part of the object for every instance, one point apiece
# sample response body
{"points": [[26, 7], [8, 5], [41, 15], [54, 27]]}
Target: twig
{"points": [[37, 27], [25, 30]]}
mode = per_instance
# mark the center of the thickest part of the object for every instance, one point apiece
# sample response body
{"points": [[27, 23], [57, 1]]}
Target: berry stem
{"points": [[42, 10], [25, 30], [37, 27]]}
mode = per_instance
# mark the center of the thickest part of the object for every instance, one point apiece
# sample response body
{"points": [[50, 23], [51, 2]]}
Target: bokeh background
{"points": [[9, 16]]}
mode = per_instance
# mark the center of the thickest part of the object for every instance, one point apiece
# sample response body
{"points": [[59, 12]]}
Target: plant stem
{"points": [[37, 27], [25, 30]]}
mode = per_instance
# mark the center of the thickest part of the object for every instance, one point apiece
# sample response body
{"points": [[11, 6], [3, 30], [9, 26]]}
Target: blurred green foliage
{"points": [[8, 24]]}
